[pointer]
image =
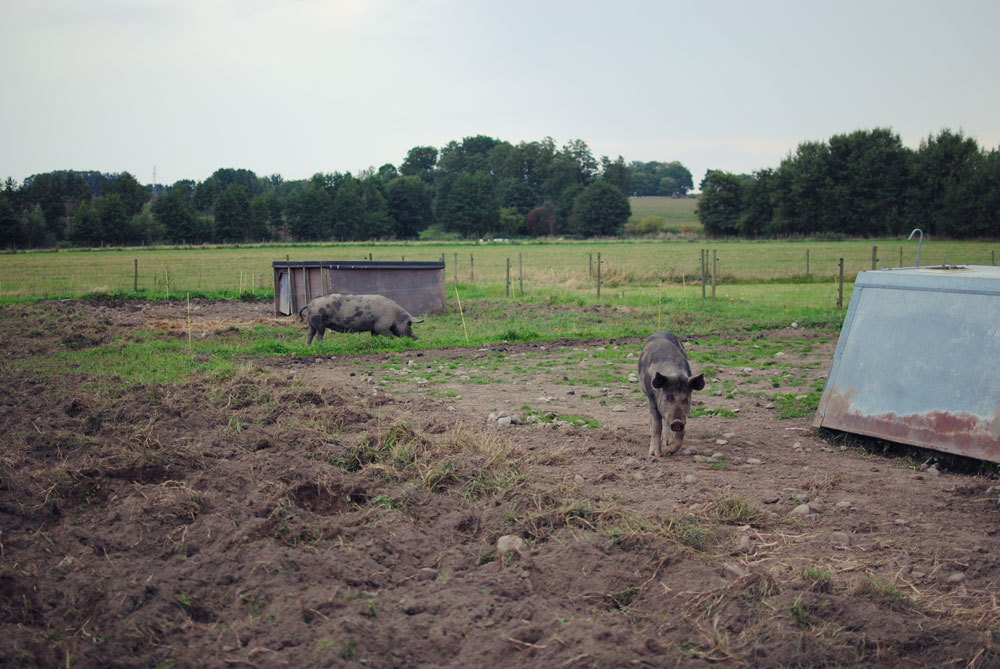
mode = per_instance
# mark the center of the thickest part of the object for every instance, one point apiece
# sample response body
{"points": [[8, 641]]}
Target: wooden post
{"points": [[703, 274], [277, 292], [472, 268], [874, 257], [900, 256], [590, 265], [713, 273], [135, 277], [598, 274], [508, 277], [807, 263], [456, 268], [840, 285]]}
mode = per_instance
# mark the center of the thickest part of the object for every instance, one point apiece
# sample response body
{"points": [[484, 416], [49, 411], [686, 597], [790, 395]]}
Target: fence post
{"points": [[598, 274], [456, 268], [703, 274], [472, 268], [840, 285], [900, 256], [807, 263], [135, 277], [508, 277], [713, 274], [590, 265], [874, 257], [520, 270]]}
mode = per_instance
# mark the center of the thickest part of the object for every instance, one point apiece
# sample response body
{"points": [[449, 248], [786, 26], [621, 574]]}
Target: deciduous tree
{"points": [[232, 214], [601, 209], [409, 205], [720, 206]]}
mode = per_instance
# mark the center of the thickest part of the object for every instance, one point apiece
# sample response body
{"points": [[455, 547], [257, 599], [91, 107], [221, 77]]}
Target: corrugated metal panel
{"points": [[417, 286], [918, 360]]}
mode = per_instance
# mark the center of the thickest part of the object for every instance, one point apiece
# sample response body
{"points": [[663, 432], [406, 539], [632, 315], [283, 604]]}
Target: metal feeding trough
{"points": [[918, 360], [418, 287]]}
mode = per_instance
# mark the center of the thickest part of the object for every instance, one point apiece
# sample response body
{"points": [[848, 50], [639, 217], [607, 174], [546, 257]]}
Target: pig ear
{"points": [[697, 382], [659, 380]]}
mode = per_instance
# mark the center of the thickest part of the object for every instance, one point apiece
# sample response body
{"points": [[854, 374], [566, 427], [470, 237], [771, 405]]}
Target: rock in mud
{"points": [[800, 510], [511, 543]]}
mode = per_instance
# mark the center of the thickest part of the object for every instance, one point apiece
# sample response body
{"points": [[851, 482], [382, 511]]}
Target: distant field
{"points": [[567, 267], [677, 211]]}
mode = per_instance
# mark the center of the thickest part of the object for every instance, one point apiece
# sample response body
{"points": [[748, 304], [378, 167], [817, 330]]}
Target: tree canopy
{"points": [[862, 184]]}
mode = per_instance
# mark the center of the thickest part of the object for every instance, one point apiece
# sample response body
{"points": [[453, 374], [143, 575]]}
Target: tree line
{"points": [[862, 184], [469, 189]]}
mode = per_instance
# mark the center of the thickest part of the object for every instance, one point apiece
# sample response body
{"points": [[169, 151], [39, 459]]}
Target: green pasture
{"points": [[141, 356], [647, 286], [537, 268], [677, 211]]}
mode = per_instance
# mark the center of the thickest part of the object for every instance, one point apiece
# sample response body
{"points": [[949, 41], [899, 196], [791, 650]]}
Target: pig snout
{"points": [[677, 425]]}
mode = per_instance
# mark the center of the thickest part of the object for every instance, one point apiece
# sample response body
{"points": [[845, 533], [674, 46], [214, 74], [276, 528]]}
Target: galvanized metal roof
{"points": [[360, 264], [918, 360]]}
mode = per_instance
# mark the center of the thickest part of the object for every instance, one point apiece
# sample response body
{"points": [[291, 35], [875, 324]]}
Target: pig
{"points": [[357, 313], [667, 382]]}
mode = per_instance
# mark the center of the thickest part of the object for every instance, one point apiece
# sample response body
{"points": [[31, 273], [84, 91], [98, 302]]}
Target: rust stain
{"points": [[959, 433]]}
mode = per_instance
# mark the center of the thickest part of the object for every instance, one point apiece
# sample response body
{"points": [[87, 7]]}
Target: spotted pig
{"points": [[357, 313]]}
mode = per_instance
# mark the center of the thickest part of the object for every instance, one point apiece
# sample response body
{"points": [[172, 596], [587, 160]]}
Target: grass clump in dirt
{"points": [[820, 580], [475, 464], [797, 406], [873, 587], [734, 510]]}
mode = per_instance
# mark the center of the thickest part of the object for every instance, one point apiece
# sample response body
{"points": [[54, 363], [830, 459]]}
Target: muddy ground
{"points": [[346, 511]]}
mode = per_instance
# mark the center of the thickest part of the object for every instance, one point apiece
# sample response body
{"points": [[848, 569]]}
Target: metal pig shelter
{"points": [[918, 360], [418, 287]]}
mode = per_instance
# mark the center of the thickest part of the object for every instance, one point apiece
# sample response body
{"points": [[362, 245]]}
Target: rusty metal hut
{"points": [[918, 360], [418, 287]]}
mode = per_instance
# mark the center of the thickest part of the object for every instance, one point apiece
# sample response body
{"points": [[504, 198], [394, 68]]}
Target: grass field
{"points": [[560, 267], [676, 211]]}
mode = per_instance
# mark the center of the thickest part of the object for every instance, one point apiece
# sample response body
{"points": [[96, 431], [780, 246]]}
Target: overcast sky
{"points": [[305, 86]]}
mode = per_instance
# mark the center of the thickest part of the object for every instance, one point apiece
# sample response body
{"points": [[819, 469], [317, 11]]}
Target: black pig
{"points": [[357, 313], [666, 379]]}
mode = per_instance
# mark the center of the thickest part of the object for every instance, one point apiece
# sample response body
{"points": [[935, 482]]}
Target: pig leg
{"points": [[316, 328], [383, 329], [655, 429], [676, 442]]}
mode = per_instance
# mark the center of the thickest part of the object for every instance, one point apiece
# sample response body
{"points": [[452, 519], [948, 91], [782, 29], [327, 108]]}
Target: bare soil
{"points": [[346, 512]]}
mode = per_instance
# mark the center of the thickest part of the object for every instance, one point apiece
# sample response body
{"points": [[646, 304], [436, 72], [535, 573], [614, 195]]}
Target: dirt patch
{"points": [[347, 511]]}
